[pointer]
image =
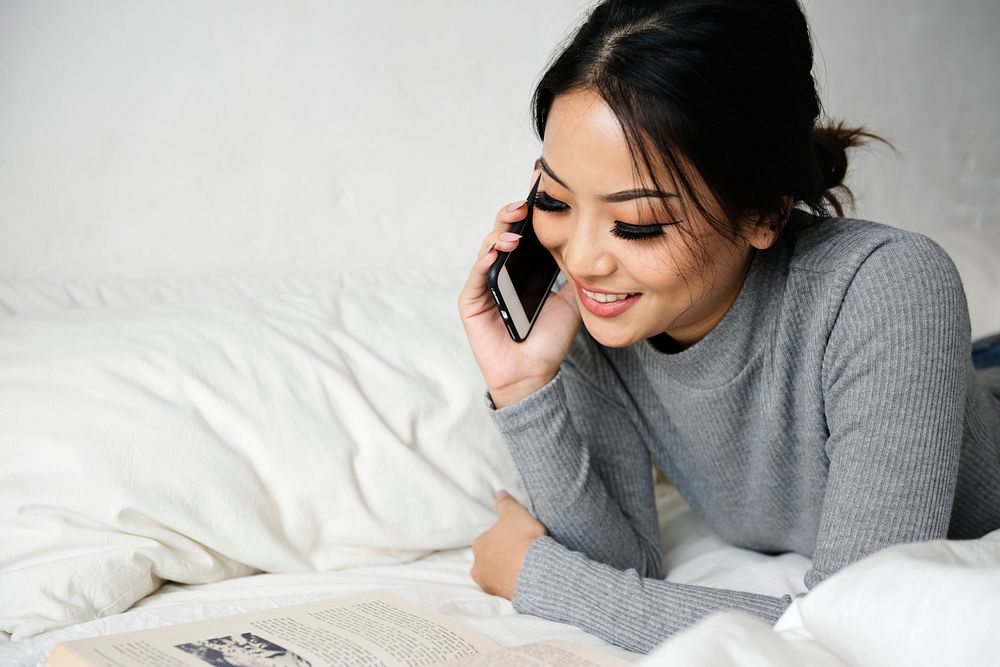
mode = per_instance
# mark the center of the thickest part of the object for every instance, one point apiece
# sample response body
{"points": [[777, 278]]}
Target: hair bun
{"points": [[830, 146]]}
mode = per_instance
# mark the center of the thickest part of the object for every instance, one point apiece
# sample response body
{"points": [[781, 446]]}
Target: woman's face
{"points": [[609, 240]]}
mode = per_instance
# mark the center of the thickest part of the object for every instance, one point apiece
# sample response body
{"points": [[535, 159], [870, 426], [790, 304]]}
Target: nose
{"points": [[586, 252]]}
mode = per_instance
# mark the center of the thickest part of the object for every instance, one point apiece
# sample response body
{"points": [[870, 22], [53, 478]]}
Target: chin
{"points": [[611, 335]]}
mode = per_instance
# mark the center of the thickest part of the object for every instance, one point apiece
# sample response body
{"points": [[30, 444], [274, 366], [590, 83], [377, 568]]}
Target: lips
{"points": [[612, 305], [607, 297]]}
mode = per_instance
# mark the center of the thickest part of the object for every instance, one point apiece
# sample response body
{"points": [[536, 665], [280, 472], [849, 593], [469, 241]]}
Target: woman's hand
{"points": [[513, 370], [499, 552]]}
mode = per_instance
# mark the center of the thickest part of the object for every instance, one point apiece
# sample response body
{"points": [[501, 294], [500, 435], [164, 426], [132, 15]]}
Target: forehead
{"points": [[585, 145]]}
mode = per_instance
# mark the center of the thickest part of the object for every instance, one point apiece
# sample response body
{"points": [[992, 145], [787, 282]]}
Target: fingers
{"points": [[498, 240], [476, 286], [515, 211], [510, 214]]}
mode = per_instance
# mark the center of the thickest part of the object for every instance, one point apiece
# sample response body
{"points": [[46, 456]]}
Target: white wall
{"points": [[922, 73], [142, 138]]}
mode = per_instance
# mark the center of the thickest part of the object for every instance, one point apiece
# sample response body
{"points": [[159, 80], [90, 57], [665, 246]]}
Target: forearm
{"points": [[622, 607], [581, 508]]}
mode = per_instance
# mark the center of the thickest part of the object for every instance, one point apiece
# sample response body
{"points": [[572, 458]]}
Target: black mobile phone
{"points": [[522, 279]]}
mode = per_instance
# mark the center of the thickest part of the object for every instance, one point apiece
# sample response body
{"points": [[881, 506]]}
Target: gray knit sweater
{"points": [[833, 411]]}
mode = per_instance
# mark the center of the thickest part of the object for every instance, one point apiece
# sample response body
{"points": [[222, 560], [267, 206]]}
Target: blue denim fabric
{"points": [[986, 351]]}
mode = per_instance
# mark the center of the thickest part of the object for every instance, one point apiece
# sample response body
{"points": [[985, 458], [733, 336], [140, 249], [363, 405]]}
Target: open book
{"points": [[373, 629]]}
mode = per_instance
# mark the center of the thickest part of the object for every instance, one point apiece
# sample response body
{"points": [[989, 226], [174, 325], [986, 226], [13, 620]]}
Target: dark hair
{"points": [[728, 84]]}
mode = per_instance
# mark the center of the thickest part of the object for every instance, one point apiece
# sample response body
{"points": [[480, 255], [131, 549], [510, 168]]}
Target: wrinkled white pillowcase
{"points": [[193, 441], [934, 602]]}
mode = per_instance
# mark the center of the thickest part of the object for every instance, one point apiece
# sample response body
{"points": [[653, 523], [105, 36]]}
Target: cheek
{"points": [[667, 262], [656, 270], [549, 232]]}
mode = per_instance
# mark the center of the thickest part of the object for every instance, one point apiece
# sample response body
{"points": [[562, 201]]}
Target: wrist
{"points": [[522, 553], [510, 394]]}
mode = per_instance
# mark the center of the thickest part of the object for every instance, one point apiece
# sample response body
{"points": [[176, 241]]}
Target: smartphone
{"points": [[522, 279]]}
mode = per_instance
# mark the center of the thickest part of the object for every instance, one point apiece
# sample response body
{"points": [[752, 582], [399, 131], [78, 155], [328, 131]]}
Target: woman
{"points": [[804, 380]]}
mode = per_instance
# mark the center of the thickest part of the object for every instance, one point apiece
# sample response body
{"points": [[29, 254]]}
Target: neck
{"points": [[680, 338]]}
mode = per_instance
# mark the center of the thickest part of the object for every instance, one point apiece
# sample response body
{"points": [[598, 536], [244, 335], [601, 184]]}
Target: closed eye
{"points": [[622, 230], [546, 203]]}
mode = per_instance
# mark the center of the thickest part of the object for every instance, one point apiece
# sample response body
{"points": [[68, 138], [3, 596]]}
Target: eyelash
{"points": [[620, 229]]}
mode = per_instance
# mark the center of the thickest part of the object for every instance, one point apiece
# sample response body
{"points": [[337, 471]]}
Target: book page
{"points": [[539, 654], [375, 629]]}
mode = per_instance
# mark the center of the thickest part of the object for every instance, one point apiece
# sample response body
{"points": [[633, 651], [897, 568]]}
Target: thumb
{"points": [[505, 501]]}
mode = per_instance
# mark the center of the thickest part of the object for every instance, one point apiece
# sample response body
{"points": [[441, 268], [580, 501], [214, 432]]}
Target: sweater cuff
{"points": [[542, 557], [620, 606], [526, 412]]}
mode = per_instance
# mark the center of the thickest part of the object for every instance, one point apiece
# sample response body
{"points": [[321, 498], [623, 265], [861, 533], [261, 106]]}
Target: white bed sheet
{"points": [[440, 582]]}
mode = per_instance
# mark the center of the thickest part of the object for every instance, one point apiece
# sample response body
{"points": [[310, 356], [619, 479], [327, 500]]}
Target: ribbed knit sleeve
{"points": [[590, 482], [894, 389], [634, 612]]}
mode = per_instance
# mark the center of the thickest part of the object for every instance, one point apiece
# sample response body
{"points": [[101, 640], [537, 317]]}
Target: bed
{"points": [[177, 449]]}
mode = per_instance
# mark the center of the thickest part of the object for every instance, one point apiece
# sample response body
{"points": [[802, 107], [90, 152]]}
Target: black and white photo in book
{"points": [[244, 650]]}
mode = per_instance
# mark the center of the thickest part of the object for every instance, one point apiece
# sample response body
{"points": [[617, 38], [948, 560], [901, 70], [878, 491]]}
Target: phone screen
{"points": [[532, 269], [520, 280]]}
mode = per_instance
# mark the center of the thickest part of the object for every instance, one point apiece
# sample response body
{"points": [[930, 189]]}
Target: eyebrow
{"points": [[624, 195]]}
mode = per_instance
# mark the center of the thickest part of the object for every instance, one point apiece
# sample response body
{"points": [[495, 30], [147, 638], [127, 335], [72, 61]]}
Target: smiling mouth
{"points": [[606, 304], [604, 297]]}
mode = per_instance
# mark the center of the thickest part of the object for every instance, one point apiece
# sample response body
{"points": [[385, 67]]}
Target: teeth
{"points": [[606, 298]]}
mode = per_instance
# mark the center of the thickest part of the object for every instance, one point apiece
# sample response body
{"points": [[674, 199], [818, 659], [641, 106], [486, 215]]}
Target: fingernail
{"points": [[508, 236], [516, 205], [502, 494]]}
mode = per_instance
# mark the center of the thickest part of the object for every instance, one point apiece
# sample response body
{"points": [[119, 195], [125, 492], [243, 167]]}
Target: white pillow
{"points": [[924, 603], [196, 439]]}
